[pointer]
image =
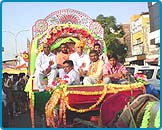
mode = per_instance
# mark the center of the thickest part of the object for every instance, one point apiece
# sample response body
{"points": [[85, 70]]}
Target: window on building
{"points": [[157, 45], [138, 41], [152, 41]]}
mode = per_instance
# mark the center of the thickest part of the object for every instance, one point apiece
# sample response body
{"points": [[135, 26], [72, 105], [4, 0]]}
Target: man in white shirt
{"points": [[80, 59], [71, 76], [45, 67]]}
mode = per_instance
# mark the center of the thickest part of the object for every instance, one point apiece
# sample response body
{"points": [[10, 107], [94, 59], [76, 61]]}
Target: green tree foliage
{"points": [[112, 33]]}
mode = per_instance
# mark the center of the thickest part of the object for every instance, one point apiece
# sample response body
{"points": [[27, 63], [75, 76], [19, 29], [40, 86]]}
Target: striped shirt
{"points": [[109, 69]]}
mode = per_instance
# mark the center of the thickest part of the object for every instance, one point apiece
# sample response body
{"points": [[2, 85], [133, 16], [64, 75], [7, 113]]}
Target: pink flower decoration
{"points": [[140, 76]]}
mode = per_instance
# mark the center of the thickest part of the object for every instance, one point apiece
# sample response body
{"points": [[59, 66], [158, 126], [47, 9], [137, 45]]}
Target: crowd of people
{"points": [[14, 99], [78, 67]]}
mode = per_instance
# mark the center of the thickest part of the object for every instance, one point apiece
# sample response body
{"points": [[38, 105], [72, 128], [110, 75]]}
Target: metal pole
{"points": [[15, 37]]}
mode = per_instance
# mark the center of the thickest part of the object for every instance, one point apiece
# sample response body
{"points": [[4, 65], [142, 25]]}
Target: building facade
{"points": [[139, 38], [153, 56]]}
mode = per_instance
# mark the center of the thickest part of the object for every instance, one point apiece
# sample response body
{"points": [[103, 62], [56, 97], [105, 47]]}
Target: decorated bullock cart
{"points": [[69, 26]]}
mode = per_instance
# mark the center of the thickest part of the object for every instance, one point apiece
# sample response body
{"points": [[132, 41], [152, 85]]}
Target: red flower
{"points": [[66, 76], [48, 88], [54, 83]]}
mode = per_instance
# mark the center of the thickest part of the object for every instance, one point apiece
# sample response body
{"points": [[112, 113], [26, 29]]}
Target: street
{"points": [[24, 121]]}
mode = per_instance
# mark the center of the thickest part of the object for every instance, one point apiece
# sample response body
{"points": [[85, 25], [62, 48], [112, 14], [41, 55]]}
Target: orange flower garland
{"points": [[62, 95], [104, 92], [49, 108]]}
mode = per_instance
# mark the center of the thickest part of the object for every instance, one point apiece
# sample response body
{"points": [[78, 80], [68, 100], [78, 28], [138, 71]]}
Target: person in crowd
{"points": [[7, 80], [45, 67], [113, 71], [80, 59], [7, 87], [71, 76], [102, 56], [94, 74], [5, 116], [61, 57], [16, 95], [22, 95], [21, 83]]}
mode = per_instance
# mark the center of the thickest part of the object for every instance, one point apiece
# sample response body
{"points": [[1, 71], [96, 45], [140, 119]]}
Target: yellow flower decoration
{"points": [[48, 36], [45, 41], [54, 30], [25, 56], [58, 27], [40, 47]]}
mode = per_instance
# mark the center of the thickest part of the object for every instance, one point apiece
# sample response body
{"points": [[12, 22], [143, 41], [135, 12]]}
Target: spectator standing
{"points": [[7, 88]]}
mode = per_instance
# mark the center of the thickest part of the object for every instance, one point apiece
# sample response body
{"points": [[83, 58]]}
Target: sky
{"points": [[19, 17]]}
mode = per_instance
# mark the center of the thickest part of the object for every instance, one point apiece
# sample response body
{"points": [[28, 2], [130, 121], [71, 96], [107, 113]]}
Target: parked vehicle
{"points": [[152, 73]]}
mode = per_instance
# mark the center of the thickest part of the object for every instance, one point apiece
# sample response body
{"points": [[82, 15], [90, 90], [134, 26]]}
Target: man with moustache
{"points": [[62, 56], [94, 74], [45, 67], [80, 59]]}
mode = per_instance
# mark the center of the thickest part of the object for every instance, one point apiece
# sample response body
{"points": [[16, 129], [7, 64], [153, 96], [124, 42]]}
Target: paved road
{"points": [[23, 121]]}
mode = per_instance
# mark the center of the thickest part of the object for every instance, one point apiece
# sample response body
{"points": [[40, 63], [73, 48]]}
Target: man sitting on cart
{"points": [[62, 56], [94, 74], [45, 67], [71, 75], [113, 71], [80, 59], [102, 56]]}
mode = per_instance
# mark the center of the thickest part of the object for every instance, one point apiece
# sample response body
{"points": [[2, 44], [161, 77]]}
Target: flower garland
{"points": [[111, 88], [141, 78], [49, 108], [60, 93], [62, 113], [104, 92], [67, 30]]}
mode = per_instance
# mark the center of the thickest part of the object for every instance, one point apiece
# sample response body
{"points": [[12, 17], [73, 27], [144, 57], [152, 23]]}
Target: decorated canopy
{"points": [[65, 26]]}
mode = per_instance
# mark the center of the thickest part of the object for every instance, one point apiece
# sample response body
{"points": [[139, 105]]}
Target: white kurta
{"points": [[79, 60], [72, 77], [42, 63]]}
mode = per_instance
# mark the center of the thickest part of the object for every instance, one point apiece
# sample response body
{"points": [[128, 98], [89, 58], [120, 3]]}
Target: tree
{"points": [[112, 32]]}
